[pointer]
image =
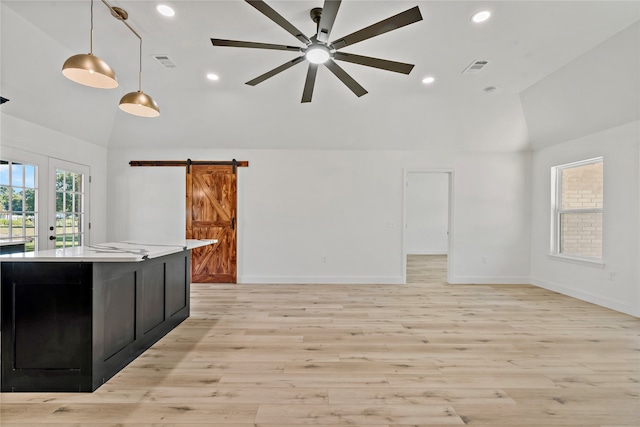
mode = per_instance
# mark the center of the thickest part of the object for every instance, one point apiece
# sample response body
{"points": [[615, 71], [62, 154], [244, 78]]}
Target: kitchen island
{"points": [[74, 317]]}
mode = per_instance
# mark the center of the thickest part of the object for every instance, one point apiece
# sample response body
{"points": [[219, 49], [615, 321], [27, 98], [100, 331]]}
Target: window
{"points": [[18, 203], [578, 209]]}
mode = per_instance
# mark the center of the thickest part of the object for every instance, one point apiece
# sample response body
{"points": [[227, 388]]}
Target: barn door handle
{"points": [[233, 223]]}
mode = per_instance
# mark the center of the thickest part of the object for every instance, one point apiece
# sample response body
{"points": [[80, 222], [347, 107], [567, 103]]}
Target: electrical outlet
{"points": [[325, 259], [484, 260], [612, 276]]}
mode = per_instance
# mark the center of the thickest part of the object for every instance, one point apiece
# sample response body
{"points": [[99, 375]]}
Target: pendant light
{"points": [[139, 103], [89, 70]]}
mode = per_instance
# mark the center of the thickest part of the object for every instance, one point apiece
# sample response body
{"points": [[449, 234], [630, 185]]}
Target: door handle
{"points": [[52, 237], [233, 223]]}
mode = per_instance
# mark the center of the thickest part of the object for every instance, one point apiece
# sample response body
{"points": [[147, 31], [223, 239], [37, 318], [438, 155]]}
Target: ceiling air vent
{"points": [[475, 67], [165, 61]]}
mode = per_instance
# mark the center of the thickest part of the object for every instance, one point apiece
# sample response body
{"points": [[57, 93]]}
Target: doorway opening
{"points": [[428, 226], [426, 268]]}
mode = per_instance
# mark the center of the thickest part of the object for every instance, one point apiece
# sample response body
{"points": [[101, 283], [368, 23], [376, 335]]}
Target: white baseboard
{"points": [[333, 280], [584, 296], [502, 280], [434, 252]]}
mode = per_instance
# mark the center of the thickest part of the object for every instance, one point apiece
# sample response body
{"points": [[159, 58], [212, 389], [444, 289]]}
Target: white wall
{"points": [[427, 204], [492, 218], [296, 207], [619, 146], [22, 136]]}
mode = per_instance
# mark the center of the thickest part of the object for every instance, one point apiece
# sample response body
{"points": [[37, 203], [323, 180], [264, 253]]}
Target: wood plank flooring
{"points": [[422, 354]]}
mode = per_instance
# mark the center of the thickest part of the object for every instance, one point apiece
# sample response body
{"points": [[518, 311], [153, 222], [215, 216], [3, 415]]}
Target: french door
{"points": [[43, 200], [68, 222]]}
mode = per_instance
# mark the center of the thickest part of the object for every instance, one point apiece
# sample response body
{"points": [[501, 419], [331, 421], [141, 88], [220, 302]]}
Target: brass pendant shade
{"points": [[139, 104], [89, 70]]}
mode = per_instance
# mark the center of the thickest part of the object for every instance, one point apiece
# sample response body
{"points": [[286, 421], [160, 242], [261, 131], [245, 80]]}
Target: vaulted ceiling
{"points": [[524, 41]]}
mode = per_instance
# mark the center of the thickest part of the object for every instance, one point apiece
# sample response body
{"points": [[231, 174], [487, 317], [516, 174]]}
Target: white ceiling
{"points": [[525, 41]]}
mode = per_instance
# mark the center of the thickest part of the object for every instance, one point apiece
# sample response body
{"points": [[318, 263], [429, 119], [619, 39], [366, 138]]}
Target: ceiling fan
{"points": [[318, 50]]}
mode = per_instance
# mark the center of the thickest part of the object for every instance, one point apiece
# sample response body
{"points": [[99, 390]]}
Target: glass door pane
{"points": [[70, 190], [18, 203]]}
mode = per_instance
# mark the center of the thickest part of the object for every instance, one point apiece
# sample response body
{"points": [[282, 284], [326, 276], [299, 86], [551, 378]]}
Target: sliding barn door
{"points": [[211, 214]]}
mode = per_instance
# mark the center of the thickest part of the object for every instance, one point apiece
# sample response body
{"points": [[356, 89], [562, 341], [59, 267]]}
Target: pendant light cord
{"points": [[91, 34], [140, 74], [122, 19]]}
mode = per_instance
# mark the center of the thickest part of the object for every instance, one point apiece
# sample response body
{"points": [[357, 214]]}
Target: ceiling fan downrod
{"points": [[316, 14]]}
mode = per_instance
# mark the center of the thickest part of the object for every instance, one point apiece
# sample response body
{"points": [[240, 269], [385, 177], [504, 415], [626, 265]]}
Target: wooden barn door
{"points": [[211, 214]]}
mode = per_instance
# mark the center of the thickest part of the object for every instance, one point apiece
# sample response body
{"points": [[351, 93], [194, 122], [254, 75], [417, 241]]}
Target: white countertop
{"points": [[128, 251]]}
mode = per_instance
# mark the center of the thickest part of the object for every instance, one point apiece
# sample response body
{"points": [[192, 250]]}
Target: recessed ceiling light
{"points": [[165, 10], [481, 16], [212, 76], [428, 80]]}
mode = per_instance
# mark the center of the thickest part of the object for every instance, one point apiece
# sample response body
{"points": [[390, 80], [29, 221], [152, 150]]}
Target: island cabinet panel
{"points": [[120, 313], [153, 289], [177, 287], [46, 326], [70, 326]]}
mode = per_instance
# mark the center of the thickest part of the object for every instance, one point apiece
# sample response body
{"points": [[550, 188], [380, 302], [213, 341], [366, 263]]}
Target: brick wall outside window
{"points": [[581, 232]]}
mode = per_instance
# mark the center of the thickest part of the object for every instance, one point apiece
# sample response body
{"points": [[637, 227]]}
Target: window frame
{"points": [[557, 212]]}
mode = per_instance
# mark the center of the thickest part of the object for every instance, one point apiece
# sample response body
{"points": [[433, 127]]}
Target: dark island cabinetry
{"points": [[70, 326]]}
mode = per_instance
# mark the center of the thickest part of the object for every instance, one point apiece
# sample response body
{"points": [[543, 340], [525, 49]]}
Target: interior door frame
{"points": [[450, 243]]}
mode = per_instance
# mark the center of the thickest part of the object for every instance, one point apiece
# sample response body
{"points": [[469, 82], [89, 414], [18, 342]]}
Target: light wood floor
{"points": [[424, 354]]}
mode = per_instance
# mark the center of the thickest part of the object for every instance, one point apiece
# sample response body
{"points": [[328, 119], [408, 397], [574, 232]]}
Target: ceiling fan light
{"points": [[89, 70], [317, 54], [139, 104]]}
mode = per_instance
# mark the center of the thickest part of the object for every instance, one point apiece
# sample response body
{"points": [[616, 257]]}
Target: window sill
{"points": [[589, 262]]}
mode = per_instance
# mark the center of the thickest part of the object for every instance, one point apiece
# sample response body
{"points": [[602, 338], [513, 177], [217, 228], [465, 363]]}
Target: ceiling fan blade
{"points": [[345, 78], [275, 71], [383, 64], [328, 17], [255, 45], [397, 21], [278, 19], [309, 82]]}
